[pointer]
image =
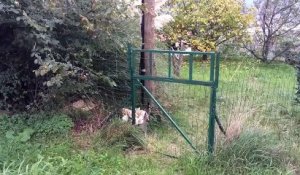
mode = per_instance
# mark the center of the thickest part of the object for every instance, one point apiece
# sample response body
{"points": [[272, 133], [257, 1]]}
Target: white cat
{"points": [[141, 116]]}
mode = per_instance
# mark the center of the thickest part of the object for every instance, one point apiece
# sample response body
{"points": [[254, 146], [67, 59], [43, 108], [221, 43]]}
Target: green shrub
{"points": [[57, 53], [36, 124], [24, 134]]}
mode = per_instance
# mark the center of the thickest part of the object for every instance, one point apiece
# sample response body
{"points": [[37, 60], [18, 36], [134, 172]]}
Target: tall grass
{"points": [[250, 95], [254, 152]]}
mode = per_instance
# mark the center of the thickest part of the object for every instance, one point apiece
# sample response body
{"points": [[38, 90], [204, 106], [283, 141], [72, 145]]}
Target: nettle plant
{"points": [[61, 48]]}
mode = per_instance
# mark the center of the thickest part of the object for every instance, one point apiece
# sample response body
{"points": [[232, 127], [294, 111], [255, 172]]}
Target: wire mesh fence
{"points": [[182, 84], [249, 88], [189, 107], [248, 91], [255, 95]]}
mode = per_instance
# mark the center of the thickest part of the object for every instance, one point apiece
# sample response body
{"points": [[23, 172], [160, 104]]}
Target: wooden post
{"points": [[147, 62]]}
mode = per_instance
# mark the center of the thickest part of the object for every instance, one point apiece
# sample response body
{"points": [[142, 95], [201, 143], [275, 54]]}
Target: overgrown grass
{"points": [[250, 95], [254, 102]]}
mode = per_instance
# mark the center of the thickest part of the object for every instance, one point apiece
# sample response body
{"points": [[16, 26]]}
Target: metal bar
{"points": [[132, 72], [211, 123], [217, 70], [191, 67], [173, 80], [150, 62], [133, 101], [169, 51], [169, 65], [170, 118]]}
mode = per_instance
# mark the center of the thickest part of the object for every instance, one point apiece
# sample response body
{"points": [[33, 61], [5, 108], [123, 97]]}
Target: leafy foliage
{"points": [[53, 49], [206, 24], [23, 126], [20, 131]]}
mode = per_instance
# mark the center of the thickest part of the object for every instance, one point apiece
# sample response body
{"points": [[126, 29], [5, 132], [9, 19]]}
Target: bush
{"points": [[232, 51], [41, 124], [25, 134], [52, 51]]}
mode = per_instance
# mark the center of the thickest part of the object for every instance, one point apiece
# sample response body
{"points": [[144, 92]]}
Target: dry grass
{"points": [[237, 122]]}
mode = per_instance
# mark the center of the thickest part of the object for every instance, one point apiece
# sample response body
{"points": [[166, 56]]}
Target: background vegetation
{"points": [[64, 78], [54, 51]]}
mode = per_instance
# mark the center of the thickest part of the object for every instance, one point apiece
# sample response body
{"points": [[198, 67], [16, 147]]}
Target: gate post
{"points": [[212, 107], [211, 127], [132, 83]]}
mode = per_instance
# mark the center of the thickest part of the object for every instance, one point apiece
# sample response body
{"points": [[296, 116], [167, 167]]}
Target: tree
{"points": [[148, 42], [277, 20], [206, 24]]}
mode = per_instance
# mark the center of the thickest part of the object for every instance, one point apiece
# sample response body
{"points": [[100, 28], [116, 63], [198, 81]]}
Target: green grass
{"points": [[254, 97]]}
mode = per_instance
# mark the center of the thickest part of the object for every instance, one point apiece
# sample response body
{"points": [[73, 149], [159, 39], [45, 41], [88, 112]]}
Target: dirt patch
{"points": [[173, 150], [82, 140], [136, 150], [88, 115]]}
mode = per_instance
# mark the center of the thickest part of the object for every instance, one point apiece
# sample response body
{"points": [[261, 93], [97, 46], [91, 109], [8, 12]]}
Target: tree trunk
{"points": [[177, 60], [147, 65], [142, 59]]}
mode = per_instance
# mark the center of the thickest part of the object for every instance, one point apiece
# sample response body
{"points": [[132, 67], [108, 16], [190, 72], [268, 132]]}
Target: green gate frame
{"points": [[212, 83]]}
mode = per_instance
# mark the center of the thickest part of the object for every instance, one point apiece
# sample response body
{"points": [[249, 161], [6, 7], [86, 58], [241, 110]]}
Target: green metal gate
{"points": [[189, 59]]}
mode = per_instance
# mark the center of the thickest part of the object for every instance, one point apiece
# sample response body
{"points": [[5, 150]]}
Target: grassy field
{"points": [[254, 105]]}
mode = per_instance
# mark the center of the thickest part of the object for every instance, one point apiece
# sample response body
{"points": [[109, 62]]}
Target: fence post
{"points": [[217, 69], [169, 65], [191, 67], [132, 83], [212, 107]]}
